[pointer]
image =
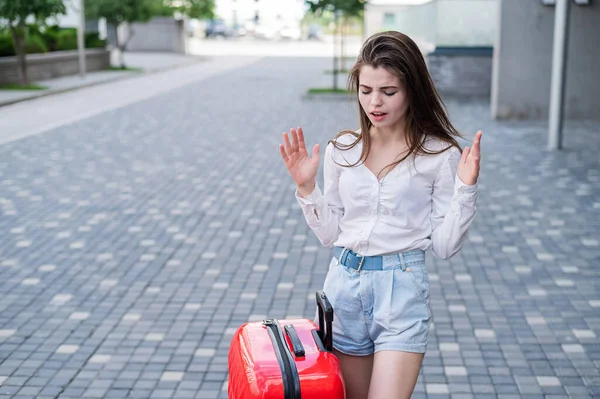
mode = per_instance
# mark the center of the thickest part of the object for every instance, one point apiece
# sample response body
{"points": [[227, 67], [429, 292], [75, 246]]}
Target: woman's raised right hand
{"points": [[302, 168]]}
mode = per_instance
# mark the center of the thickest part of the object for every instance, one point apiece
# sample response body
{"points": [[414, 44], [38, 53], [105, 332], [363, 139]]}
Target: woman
{"points": [[397, 187]]}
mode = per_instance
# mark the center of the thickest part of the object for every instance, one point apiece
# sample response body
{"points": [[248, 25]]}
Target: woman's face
{"points": [[382, 96]]}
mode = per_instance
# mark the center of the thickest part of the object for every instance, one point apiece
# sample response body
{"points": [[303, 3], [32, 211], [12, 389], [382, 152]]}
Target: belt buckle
{"points": [[360, 264]]}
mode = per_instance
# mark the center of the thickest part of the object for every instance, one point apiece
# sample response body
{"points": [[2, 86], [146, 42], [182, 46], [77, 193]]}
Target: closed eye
{"points": [[386, 93]]}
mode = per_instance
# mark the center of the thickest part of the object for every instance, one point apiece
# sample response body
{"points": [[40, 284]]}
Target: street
{"points": [[144, 220], [251, 46]]}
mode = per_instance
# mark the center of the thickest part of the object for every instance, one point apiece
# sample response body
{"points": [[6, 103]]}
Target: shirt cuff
{"points": [[465, 192], [312, 198]]}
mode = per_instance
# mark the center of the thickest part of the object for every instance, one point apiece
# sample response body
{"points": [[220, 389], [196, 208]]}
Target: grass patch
{"points": [[127, 69], [14, 86], [328, 90]]}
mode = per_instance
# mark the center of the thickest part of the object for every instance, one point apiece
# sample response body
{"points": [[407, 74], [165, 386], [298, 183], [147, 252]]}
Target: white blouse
{"points": [[420, 204]]}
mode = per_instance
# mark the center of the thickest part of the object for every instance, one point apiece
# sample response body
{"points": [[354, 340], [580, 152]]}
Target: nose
{"points": [[376, 99]]}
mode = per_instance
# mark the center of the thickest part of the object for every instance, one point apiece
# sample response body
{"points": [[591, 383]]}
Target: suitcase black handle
{"points": [[297, 346], [325, 320], [287, 364]]}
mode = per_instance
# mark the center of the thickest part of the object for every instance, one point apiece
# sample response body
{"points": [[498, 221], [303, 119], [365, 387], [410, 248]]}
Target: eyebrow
{"points": [[383, 88]]}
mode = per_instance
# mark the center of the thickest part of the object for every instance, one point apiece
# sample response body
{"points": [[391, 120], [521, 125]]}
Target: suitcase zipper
{"points": [[287, 364]]}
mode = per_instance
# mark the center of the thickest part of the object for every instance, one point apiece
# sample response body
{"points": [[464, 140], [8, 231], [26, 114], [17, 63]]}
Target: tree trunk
{"points": [[130, 33], [121, 56], [121, 46], [18, 37]]}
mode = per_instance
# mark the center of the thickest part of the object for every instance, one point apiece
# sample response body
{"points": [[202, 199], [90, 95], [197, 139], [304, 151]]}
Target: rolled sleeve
{"points": [[310, 199], [453, 208], [323, 211]]}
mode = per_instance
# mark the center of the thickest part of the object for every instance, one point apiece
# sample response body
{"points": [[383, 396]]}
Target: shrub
{"points": [[50, 36], [92, 40], [67, 39], [6, 45], [35, 44]]}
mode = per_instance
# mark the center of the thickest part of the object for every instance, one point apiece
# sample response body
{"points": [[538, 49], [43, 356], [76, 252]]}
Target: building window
{"points": [[389, 20]]}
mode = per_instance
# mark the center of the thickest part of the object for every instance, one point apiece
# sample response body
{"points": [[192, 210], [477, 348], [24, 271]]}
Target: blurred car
{"points": [[215, 27], [250, 27], [239, 30], [263, 31], [194, 27], [315, 32], [290, 33]]}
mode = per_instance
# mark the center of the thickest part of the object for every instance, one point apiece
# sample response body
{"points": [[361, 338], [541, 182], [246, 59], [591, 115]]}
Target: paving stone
{"points": [[137, 241]]}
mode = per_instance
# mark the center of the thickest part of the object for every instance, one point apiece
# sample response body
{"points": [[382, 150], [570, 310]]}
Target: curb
{"points": [[197, 59]]}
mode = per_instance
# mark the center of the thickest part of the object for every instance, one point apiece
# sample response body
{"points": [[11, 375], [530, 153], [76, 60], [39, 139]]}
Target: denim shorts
{"points": [[377, 310]]}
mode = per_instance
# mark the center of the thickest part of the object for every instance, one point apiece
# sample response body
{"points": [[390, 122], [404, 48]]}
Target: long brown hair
{"points": [[426, 113]]}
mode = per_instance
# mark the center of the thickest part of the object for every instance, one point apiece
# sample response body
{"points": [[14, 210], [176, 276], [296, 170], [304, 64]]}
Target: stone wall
{"points": [[53, 65], [462, 71], [159, 34]]}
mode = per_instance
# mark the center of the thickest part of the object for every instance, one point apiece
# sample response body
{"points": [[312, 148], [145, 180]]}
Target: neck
{"points": [[389, 134]]}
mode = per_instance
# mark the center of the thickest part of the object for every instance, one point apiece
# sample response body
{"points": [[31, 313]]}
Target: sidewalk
{"points": [[153, 216], [148, 62], [42, 114]]}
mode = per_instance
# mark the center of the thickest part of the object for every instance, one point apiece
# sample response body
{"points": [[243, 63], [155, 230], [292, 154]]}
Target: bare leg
{"points": [[357, 374], [395, 374]]}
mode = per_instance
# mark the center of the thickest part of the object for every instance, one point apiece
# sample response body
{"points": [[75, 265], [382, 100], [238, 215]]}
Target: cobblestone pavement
{"points": [[135, 242]]}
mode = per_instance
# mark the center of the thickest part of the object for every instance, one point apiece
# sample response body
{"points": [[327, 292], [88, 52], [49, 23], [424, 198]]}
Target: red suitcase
{"points": [[286, 359]]}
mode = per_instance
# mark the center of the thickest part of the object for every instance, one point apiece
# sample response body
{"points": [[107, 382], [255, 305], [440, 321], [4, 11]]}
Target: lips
{"points": [[377, 116]]}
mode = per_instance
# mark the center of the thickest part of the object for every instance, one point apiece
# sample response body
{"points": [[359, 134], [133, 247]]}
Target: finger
{"points": [[476, 143], [286, 143], [283, 153], [301, 142], [465, 155], [294, 139], [316, 150]]}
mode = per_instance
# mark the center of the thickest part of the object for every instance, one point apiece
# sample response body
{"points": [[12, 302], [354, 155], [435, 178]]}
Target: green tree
{"points": [[349, 8], [342, 11], [200, 9], [118, 11], [15, 14]]}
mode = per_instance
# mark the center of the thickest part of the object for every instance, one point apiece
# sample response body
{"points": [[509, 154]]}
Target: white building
{"points": [[270, 13], [71, 19], [432, 23]]}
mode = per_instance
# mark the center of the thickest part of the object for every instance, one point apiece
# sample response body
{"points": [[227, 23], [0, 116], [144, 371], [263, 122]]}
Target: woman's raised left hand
{"points": [[468, 167]]}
